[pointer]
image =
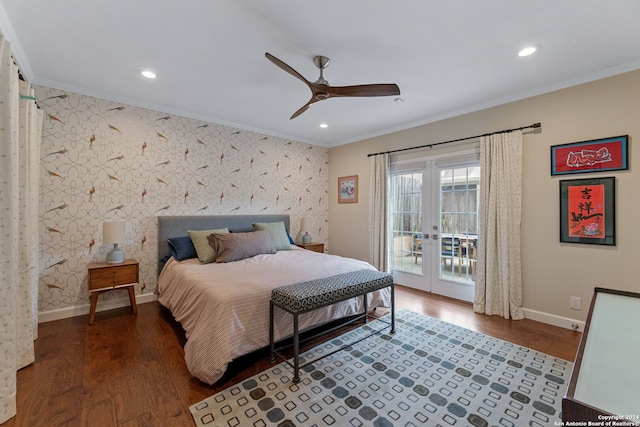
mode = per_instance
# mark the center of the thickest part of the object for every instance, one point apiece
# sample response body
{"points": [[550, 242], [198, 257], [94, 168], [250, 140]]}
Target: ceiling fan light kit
{"points": [[321, 90]]}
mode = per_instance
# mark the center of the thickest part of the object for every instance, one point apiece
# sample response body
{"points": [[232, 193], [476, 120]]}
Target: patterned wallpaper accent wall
{"points": [[104, 161]]}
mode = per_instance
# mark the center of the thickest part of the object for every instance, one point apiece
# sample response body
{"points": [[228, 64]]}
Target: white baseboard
{"points": [[79, 310], [552, 319]]}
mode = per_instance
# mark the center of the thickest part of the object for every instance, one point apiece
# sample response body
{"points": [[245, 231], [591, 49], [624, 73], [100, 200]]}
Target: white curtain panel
{"points": [[498, 289], [378, 228], [20, 134], [30, 138]]}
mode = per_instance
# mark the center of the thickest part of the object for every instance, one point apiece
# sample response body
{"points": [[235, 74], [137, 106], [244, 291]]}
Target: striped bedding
{"points": [[224, 308]]}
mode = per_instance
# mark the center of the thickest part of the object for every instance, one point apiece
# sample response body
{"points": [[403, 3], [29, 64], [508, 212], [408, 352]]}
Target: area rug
{"points": [[429, 372]]}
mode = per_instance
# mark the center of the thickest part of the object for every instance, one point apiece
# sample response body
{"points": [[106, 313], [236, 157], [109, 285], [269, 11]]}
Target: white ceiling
{"points": [[447, 57]]}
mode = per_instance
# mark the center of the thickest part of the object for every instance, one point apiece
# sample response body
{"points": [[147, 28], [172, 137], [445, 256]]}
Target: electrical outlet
{"points": [[575, 303]]}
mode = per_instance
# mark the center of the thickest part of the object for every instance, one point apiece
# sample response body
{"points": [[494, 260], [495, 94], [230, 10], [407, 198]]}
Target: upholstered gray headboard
{"points": [[177, 226]]}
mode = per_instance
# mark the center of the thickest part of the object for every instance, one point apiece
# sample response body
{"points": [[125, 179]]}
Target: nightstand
{"points": [[315, 247], [105, 277]]}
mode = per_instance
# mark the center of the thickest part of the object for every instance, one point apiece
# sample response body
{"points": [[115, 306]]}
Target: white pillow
{"points": [[278, 234]]}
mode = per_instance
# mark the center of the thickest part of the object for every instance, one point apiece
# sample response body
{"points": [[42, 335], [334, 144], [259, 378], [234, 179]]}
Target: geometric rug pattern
{"points": [[429, 372]]}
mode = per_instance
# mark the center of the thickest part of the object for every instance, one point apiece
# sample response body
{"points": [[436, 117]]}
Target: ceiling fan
{"points": [[321, 90]]}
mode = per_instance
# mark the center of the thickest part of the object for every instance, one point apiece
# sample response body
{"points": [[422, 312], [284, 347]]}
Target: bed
{"points": [[223, 307]]}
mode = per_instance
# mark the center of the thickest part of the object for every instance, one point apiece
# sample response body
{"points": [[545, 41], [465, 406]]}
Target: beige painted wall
{"points": [[552, 272]]}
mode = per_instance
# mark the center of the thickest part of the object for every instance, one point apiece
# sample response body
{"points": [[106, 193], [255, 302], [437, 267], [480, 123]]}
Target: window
{"points": [[459, 205], [406, 220], [433, 208]]}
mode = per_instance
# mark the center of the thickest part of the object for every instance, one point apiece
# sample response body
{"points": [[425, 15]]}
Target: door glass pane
{"points": [[459, 202], [406, 221]]}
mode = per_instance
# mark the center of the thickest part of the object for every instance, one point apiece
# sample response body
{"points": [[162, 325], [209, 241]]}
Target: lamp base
{"points": [[306, 238], [115, 255]]}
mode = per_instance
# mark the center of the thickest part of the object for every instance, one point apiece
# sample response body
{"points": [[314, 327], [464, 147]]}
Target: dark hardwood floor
{"points": [[129, 371]]}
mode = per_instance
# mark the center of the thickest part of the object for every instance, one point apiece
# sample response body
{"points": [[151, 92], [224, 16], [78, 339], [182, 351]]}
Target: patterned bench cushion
{"points": [[307, 296]]}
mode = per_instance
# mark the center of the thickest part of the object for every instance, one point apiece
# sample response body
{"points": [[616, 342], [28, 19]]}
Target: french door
{"points": [[434, 223]]}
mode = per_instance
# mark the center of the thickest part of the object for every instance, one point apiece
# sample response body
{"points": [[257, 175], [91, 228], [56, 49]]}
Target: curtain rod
{"points": [[21, 78], [533, 126]]}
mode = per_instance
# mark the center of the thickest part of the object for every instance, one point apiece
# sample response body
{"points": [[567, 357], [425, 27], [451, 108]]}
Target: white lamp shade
{"points": [[305, 225], [114, 232]]}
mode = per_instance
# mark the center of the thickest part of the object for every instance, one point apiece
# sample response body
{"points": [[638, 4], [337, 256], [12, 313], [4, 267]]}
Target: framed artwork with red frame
{"points": [[598, 155], [588, 211], [348, 189]]}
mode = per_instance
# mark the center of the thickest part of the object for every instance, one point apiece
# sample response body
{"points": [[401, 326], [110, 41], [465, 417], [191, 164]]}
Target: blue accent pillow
{"points": [[182, 248], [290, 238]]}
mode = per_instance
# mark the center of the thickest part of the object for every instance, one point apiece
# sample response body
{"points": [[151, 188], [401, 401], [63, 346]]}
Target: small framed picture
{"points": [[598, 155], [588, 211], [348, 189]]}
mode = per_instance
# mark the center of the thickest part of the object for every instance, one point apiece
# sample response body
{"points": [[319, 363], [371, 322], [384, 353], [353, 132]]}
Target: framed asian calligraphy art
{"points": [[348, 189], [588, 211], [599, 155]]}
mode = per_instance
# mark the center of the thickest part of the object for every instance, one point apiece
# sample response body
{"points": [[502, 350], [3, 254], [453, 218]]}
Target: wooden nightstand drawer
{"points": [[108, 277], [112, 282], [315, 247]]}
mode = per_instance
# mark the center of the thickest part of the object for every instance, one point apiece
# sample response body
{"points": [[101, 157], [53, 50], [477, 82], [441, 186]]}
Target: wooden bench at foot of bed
{"points": [[303, 297]]}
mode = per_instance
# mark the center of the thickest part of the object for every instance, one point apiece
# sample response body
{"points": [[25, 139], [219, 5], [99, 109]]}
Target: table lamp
{"points": [[305, 226], [114, 232]]}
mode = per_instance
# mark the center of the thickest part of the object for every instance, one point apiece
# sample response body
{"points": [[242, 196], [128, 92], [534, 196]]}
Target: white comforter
{"points": [[224, 308]]}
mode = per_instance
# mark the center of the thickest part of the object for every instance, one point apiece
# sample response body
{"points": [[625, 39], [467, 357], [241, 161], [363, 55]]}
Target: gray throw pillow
{"points": [[236, 246]]}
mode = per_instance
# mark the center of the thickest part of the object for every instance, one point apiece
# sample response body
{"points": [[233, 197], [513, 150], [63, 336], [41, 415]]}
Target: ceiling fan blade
{"points": [[304, 108], [287, 68], [384, 89]]}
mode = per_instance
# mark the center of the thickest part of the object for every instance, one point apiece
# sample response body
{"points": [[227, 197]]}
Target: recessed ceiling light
{"points": [[148, 74], [529, 50], [324, 125]]}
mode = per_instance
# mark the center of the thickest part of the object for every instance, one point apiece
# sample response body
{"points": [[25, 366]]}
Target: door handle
{"points": [[434, 236]]}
